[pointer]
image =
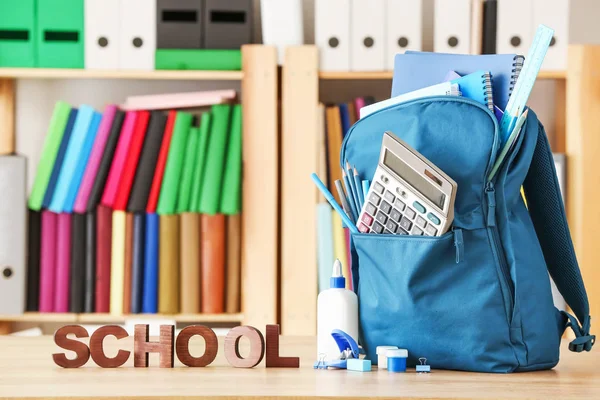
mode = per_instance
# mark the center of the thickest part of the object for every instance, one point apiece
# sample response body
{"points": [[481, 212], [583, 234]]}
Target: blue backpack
{"points": [[477, 298]]}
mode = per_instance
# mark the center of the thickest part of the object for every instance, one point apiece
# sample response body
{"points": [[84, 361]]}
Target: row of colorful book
{"points": [[333, 241], [137, 211]]}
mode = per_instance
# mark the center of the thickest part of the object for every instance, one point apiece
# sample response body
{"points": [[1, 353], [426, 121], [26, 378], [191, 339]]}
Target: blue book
{"points": [[59, 159], [345, 118], [325, 257], [137, 262], [150, 285], [417, 70], [477, 86], [72, 159]]}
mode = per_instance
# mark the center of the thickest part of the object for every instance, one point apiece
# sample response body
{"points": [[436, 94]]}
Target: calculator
{"points": [[409, 195]]}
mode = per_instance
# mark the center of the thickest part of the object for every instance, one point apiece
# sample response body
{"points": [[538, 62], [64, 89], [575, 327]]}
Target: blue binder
{"points": [[150, 285], [137, 264]]}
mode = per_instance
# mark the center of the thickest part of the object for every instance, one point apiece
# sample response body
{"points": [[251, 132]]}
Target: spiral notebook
{"points": [[416, 70]]}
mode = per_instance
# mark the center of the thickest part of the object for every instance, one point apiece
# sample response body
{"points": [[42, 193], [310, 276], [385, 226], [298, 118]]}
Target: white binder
{"points": [[555, 14], [404, 23], [452, 26], [13, 219], [282, 24], [101, 34], [137, 31], [367, 35], [514, 27], [332, 34]]}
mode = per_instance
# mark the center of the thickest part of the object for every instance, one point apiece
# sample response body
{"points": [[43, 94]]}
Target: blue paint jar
{"points": [[396, 360]]}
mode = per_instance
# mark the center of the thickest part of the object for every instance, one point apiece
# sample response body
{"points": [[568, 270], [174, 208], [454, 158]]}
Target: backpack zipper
{"points": [[506, 281]]}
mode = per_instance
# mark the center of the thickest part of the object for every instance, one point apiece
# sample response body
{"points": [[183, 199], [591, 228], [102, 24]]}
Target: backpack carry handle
{"points": [[549, 218]]}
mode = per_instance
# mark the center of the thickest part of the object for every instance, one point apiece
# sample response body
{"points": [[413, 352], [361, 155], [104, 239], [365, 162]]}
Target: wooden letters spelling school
{"points": [[166, 347]]}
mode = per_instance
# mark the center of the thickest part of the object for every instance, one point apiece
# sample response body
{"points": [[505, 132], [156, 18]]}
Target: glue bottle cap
{"points": [[337, 280]]}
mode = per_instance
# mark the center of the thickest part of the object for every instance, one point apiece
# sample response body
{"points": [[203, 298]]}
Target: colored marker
{"points": [[329, 197]]}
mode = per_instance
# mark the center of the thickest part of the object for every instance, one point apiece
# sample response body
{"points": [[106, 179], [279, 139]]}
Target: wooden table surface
{"points": [[27, 371]]}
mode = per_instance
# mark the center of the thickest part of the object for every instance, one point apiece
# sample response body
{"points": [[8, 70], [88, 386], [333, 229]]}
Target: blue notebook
{"points": [[345, 118], [477, 86], [137, 263], [416, 70], [60, 157], [85, 115], [150, 285]]}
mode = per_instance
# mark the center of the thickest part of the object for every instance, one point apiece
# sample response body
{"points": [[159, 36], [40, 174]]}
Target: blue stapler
{"points": [[348, 349]]}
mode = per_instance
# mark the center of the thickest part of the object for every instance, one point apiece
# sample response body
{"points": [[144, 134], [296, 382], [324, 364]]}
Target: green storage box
{"points": [[202, 60], [17, 33], [60, 33]]}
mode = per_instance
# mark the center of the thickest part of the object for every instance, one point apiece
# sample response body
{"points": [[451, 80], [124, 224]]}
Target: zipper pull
{"points": [[491, 199], [459, 244]]}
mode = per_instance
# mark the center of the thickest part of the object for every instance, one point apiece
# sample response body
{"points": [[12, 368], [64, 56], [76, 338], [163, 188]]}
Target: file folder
{"points": [[103, 258], [227, 24], [13, 221], [34, 238], [555, 14], [137, 34], [282, 24], [17, 34], [332, 34], [48, 261], [60, 35], [63, 263], [404, 28], [514, 31], [78, 253], [490, 9], [102, 34], [179, 24], [367, 35], [89, 292], [150, 284], [452, 26]]}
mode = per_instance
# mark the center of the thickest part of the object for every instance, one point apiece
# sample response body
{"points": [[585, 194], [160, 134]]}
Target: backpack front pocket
{"points": [[415, 295]]}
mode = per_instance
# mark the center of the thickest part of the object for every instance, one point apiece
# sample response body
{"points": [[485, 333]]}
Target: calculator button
{"points": [[373, 198], [389, 196], [430, 230], [402, 232], [381, 217], [421, 222], [410, 213], [388, 232], [377, 228], [419, 207], [406, 224], [363, 228], [399, 205], [371, 209], [433, 218], [395, 215], [367, 219], [417, 231], [391, 225], [385, 207], [378, 187]]}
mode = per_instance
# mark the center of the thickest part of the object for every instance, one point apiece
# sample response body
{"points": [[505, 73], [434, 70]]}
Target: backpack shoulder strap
{"points": [[549, 218]]}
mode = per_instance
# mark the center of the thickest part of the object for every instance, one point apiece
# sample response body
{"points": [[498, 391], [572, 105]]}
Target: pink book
{"points": [[348, 266], [359, 103], [63, 263], [178, 100], [121, 152], [94, 161], [48, 261]]}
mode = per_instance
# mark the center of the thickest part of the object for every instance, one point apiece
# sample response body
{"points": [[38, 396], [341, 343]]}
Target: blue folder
{"points": [[345, 118], [60, 157], [150, 285], [137, 263], [416, 70]]}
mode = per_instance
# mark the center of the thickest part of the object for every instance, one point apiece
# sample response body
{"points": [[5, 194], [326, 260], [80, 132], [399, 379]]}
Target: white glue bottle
{"points": [[337, 308]]}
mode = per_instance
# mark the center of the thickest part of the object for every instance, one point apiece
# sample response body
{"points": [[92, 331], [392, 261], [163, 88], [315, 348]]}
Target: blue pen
{"points": [[333, 203], [365, 188], [350, 197], [359, 192], [353, 193]]}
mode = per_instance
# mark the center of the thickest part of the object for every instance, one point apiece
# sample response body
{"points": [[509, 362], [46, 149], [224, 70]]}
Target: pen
{"points": [[333, 203], [345, 205], [359, 192], [353, 190], [350, 198], [365, 188]]}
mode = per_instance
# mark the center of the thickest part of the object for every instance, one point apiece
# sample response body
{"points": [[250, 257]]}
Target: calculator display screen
{"points": [[416, 180]]}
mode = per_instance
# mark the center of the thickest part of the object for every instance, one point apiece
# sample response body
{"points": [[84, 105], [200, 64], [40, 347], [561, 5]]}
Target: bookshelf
{"points": [[259, 97], [574, 136]]}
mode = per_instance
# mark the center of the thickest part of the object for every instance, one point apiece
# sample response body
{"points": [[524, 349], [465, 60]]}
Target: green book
{"points": [[198, 59], [167, 200], [198, 178], [54, 136], [185, 188], [232, 182], [215, 159]]}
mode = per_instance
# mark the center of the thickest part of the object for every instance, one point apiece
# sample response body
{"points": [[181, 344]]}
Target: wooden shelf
{"points": [[45, 73], [383, 75], [109, 318]]}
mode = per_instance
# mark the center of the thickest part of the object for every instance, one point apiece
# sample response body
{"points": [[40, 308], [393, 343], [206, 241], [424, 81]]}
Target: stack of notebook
{"points": [[137, 211]]}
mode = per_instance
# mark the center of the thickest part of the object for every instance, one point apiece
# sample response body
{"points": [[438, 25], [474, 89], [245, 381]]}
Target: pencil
{"points": [[333, 203], [349, 191], [353, 190], [345, 205], [357, 185]]}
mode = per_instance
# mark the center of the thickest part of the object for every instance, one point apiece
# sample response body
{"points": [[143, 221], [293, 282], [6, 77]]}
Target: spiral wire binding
{"points": [[487, 89], [516, 71]]}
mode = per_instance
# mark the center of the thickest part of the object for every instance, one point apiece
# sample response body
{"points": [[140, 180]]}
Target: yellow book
{"points": [[117, 263], [339, 244], [169, 263]]}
